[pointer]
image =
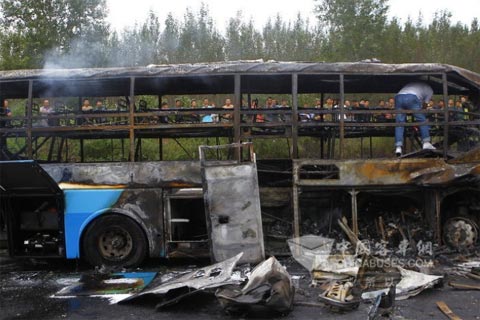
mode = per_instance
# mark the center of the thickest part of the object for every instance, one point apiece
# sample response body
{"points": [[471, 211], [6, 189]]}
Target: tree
{"points": [[233, 43], [390, 50], [276, 38], [251, 41], [242, 40], [210, 42], [34, 29], [140, 45], [354, 27], [198, 39], [149, 38], [169, 40], [73, 33], [303, 43], [473, 51]]}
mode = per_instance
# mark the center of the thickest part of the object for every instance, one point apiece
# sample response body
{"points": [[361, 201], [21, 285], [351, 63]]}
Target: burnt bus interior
{"points": [[32, 204], [133, 120], [398, 205], [186, 227]]}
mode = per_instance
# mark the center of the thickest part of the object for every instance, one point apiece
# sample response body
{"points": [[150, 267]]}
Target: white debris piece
{"points": [[412, 283]]}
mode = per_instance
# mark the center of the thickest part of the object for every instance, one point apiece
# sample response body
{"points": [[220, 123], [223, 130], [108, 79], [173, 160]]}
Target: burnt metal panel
{"points": [[398, 172], [472, 156], [174, 174], [26, 177], [145, 206], [232, 207]]}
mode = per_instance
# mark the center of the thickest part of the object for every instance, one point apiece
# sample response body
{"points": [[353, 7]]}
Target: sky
{"points": [[124, 13]]}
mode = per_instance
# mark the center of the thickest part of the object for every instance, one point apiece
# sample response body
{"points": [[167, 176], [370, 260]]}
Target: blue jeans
{"points": [[409, 102]]}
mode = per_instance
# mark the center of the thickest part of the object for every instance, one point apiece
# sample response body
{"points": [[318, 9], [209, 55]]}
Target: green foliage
{"points": [[73, 33], [242, 40], [169, 40], [199, 40], [353, 27], [35, 30]]}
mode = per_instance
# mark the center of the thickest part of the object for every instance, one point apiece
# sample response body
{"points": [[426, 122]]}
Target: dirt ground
{"points": [[27, 287]]}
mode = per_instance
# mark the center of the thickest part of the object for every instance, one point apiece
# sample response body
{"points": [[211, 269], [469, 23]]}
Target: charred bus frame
{"points": [[330, 173], [237, 79]]}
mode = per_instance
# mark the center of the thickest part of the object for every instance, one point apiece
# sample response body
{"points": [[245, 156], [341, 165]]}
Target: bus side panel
{"points": [[146, 207], [81, 207]]}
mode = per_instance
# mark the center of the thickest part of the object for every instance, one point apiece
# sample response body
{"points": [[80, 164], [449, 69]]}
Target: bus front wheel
{"points": [[114, 241]]}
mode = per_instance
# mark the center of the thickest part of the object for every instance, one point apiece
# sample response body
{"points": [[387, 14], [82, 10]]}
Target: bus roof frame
{"points": [[257, 77]]}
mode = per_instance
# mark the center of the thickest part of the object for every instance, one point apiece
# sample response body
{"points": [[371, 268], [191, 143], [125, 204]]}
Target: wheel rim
{"points": [[115, 243], [460, 232]]}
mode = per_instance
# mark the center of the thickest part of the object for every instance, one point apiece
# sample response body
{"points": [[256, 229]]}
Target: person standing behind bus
{"points": [[411, 97], [45, 110], [194, 117], [87, 108], [100, 108], [466, 107], [164, 119], [5, 113], [207, 118], [260, 118], [269, 104], [227, 117]]}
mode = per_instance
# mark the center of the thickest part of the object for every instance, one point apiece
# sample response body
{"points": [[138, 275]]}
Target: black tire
{"points": [[114, 240]]}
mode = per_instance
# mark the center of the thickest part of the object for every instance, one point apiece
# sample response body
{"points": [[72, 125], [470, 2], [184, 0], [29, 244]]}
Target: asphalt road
{"points": [[27, 288]]}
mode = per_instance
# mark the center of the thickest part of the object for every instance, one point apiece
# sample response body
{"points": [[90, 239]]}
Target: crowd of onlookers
{"points": [[354, 110]]}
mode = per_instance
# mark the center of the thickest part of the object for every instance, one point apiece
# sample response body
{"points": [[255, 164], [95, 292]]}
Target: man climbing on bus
{"points": [[411, 97]]}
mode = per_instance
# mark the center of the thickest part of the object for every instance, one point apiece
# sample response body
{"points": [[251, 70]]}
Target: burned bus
{"points": [[121, 179]]}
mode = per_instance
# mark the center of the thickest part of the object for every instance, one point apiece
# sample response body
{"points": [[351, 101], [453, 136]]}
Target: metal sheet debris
{"points": [[411, 284], [209, 277], [269, 289], [315, 254]]}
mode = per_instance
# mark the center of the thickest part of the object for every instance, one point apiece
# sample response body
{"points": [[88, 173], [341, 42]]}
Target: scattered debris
{"points": [[173, 290], [446, 311], [375, 274], [241, 273], [311, 250], [269, 288], [351, 271], [98, 284], [469, 269], [469, 264], [340, 296], [411, 284], [463, 286], [383, 305], [336, 267]]}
